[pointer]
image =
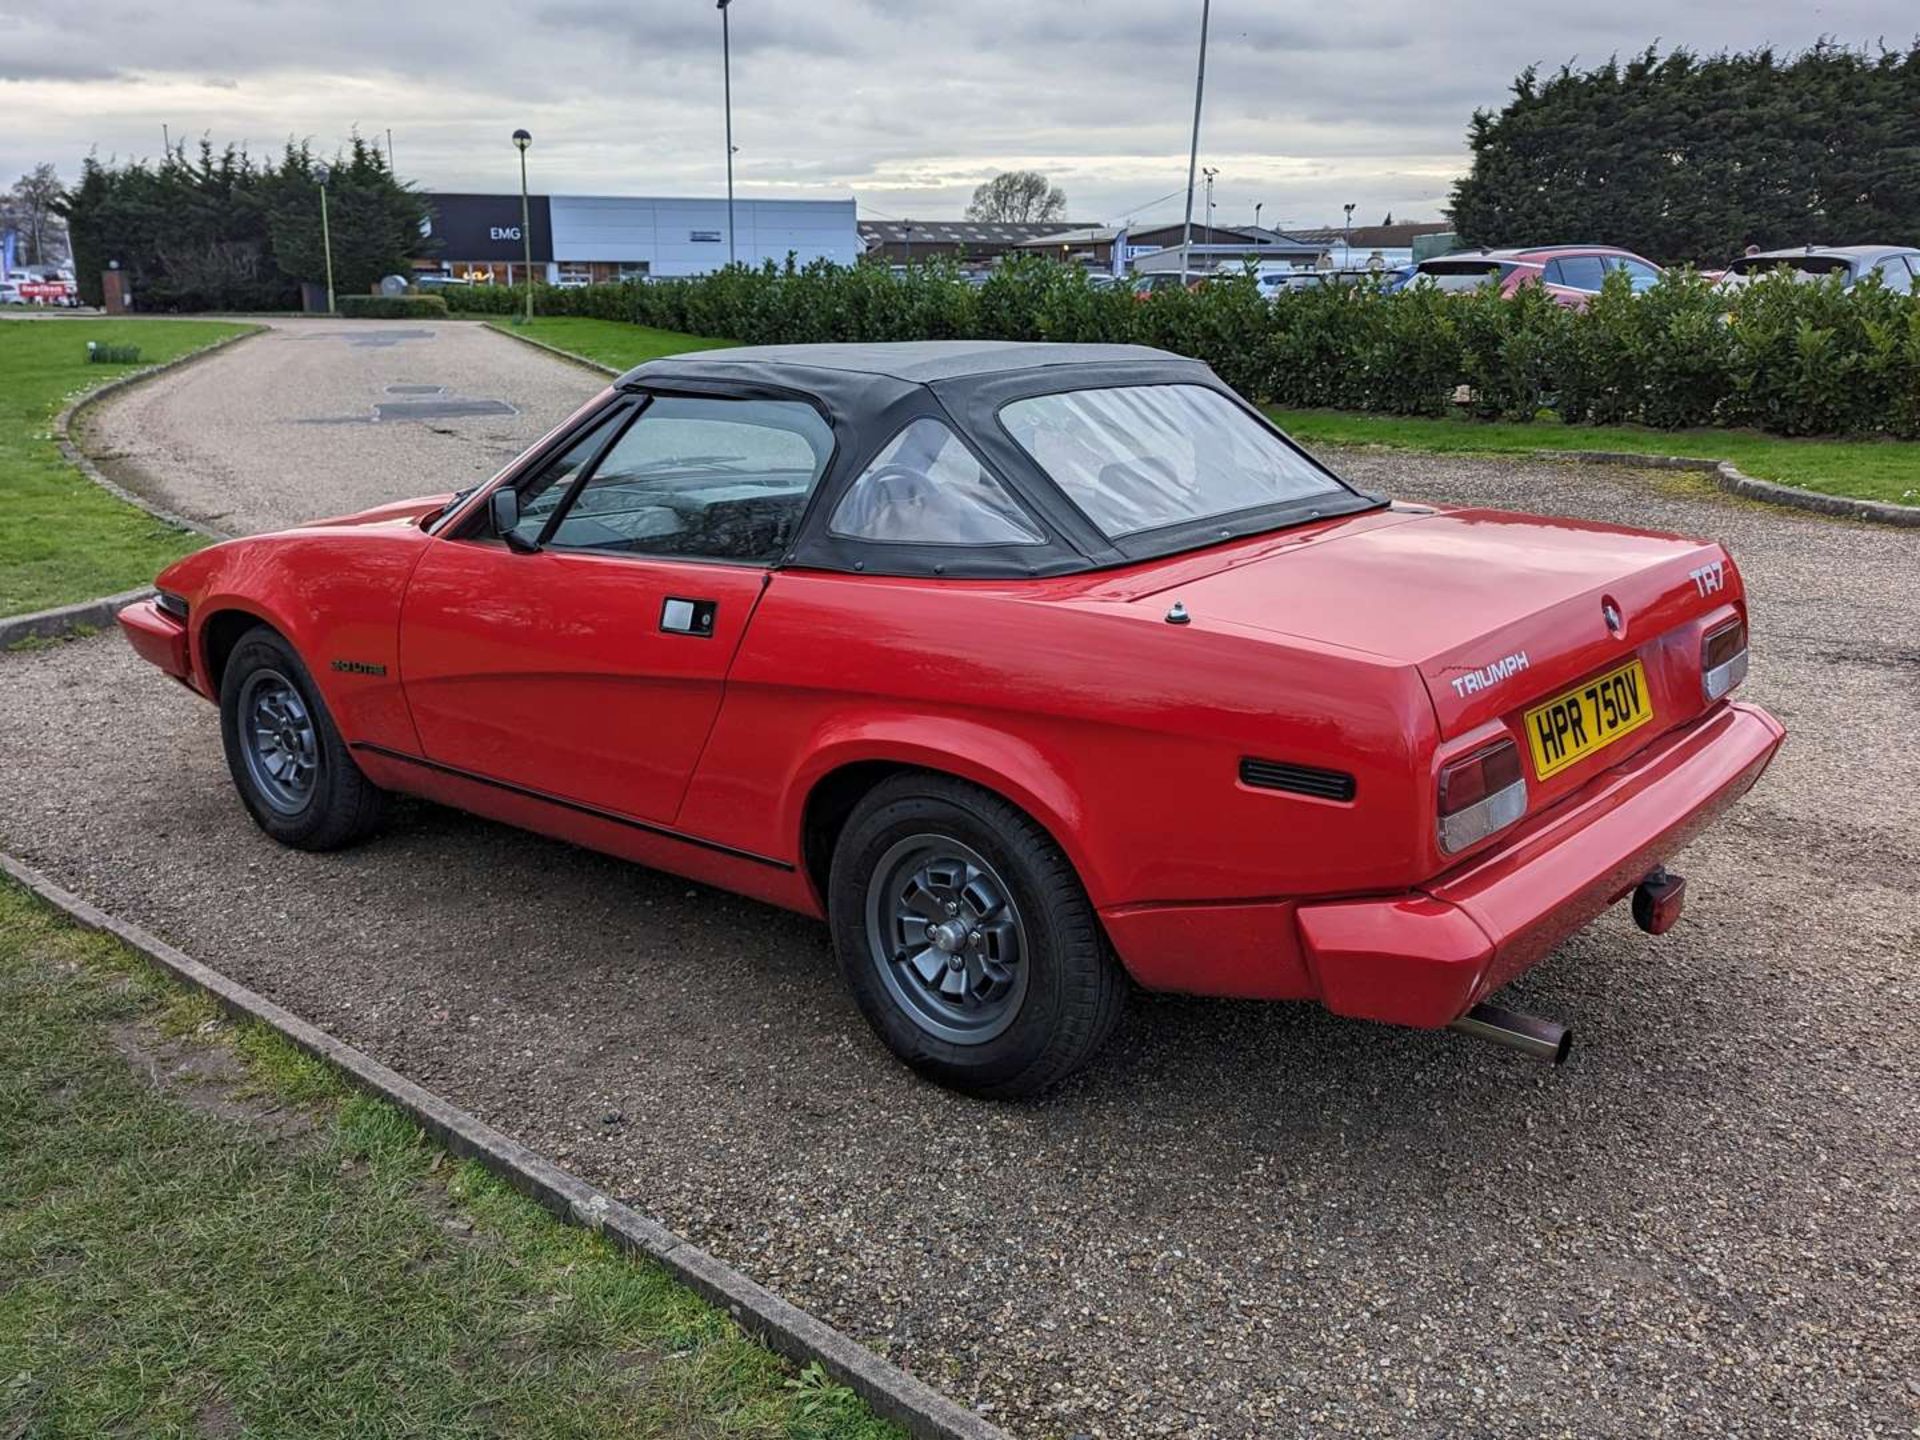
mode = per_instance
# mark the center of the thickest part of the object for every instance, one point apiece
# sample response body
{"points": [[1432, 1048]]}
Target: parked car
{"points": [[1897, 265], [1572, 274], [429, 280], [1155, 282], [1275, 282], [1032, 669]]}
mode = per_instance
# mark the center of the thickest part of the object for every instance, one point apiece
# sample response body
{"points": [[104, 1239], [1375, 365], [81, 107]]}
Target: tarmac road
{"points": [[319, 417], [1244, 1219]]}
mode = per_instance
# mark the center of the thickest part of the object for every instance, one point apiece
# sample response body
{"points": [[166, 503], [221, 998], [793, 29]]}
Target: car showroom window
{"points": [[926, 488], [1142, 457], [702, 478]]}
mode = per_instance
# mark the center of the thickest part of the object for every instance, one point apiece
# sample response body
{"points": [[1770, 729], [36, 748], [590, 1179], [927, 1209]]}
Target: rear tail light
{"points": [[1723, 659], [1480, 794]]}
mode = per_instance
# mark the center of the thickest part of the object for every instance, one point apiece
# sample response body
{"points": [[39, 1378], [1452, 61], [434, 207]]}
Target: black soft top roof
{"points": [[869, 393], [916, 362]]}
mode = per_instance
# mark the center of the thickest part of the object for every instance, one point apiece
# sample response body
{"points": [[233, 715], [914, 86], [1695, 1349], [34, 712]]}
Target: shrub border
{"points": [[784, 1327]]}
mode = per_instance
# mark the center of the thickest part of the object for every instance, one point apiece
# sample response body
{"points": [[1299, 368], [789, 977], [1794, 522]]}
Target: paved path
{"points": [[1244, 1219], [316, 417]]}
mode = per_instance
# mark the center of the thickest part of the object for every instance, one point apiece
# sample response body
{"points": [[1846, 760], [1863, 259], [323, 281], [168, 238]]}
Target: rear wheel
{"points": [[293, 771], [967, 940]]}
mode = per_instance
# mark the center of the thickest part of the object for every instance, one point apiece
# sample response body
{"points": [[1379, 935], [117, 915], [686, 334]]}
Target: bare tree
{"points": [[1018, 195], [29, 208]]}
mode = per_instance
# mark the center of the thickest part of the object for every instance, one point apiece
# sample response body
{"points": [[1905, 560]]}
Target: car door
{"points": [[586, 661]]}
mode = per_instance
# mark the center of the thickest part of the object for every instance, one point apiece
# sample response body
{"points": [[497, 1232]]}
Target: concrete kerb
{"points": [[63, 433], [95, 614], [1729, 477], [785, 1328], [571, 356], [66, 619]]}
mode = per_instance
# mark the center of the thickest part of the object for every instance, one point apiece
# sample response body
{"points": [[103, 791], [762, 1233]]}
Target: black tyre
{"points": [[967, 940], [292, 769]]}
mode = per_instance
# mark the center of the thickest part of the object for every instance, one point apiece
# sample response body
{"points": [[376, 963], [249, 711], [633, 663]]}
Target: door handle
{"points": [[680, 616]]}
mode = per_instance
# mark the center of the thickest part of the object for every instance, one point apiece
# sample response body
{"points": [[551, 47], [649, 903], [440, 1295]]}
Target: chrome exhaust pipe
{"points": [[1543, 1039]]}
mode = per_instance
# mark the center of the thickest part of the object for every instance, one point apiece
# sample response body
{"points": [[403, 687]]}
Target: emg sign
{"points": [[488, 228]]}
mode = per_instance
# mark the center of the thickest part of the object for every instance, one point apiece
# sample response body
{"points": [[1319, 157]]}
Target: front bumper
{"points": [[158, 638], [1426, 957]]}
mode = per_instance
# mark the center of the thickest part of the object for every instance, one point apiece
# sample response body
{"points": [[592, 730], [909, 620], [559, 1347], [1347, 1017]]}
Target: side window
{"points": [[703, 478], [1581, 272], [1643, 275], [926, 488], [1895, 275], [542, 496], [1552, 273]]}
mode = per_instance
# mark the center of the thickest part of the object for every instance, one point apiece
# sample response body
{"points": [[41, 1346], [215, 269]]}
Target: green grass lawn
{"points": [[1873, 469], [62, 538], [611, 342], [204, 1232]]}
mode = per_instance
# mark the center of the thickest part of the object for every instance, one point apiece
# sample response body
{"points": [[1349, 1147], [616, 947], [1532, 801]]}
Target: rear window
{"points": [[1458, 275], [1143, 457]]}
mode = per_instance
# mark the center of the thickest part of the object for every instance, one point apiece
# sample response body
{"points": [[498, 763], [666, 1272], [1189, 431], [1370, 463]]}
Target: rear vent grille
{"points": [[1299, 779]]}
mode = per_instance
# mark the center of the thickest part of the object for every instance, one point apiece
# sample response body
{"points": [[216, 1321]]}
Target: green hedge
{"points": [[1792, 358], [392, 307]]}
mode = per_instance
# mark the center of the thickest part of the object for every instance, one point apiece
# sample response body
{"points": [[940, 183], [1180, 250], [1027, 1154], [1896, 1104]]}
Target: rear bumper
{"points": [[158, 638], [1427, 957]]}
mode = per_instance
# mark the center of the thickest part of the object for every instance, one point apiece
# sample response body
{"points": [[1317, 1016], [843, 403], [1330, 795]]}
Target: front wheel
{"points": [[293, 771], [967, 940]]}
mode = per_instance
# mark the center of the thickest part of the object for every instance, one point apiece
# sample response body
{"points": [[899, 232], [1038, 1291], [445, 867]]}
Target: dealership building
{"points": [[593, 239]]}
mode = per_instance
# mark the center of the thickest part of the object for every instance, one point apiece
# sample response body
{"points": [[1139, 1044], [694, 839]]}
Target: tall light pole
{"points": [[321, 175], [726, 81], [1348, 240], [1209, 172], [521, 140], [1256, 213], [1193, 151]]}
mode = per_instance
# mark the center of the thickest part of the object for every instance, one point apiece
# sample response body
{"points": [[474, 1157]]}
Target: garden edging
{"points": [[784, 1327], [1729, 477]]}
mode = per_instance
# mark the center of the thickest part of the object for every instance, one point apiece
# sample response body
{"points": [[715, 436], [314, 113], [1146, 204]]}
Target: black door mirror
{"points": [[503, 507]]}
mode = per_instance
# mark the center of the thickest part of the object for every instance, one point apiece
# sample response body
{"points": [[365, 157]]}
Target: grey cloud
{"points": [[907, 105]]}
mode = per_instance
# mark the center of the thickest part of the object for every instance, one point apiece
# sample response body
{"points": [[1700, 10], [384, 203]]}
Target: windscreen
{"points": [[1143, 457]]}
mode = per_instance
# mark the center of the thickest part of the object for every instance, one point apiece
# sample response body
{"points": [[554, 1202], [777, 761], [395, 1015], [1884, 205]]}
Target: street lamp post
{"points": [[726, 81], [1193, 151], [521, 140], [1256, 213], [321, 175], [1209, 172], [1348, 240]]}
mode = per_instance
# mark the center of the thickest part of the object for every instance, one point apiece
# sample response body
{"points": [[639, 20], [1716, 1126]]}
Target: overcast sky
{"points": [[905, 106]]}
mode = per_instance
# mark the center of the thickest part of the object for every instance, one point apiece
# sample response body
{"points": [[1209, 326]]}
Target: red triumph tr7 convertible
{"points": [[1033, 669]]}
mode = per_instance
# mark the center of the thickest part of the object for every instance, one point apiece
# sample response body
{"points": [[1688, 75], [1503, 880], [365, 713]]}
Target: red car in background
{"points": [[1572, 274], [1035, 670]]}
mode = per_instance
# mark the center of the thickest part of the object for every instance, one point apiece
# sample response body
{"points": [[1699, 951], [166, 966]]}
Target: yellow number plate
{"points": [[1572, 726]]}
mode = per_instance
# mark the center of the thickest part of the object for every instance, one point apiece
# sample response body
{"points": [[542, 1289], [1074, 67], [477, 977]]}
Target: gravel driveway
{"points": [[1244, 1219]]}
